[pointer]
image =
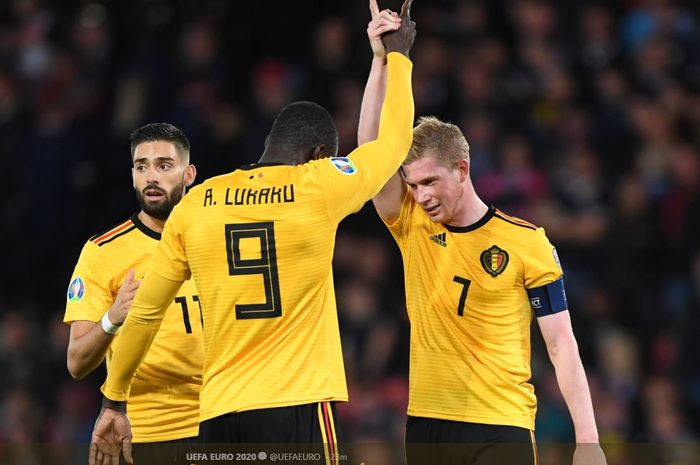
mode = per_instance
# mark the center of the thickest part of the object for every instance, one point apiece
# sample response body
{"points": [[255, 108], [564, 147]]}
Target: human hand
{"points": [[382, 22], [125, 297], [589, 454], [402, 39], [112, 434]]}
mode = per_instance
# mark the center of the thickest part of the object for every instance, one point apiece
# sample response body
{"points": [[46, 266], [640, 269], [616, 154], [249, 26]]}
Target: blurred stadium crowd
{"points": [[582, 117]]}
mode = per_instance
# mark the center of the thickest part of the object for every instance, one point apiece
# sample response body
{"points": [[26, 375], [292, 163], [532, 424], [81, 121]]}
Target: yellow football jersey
{"points": [[259, 244], [164, 400], [467, 299]]}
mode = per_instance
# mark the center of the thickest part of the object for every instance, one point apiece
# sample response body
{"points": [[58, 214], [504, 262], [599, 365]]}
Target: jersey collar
{"points": [[253, 166], [484, 219], [143, 228]]}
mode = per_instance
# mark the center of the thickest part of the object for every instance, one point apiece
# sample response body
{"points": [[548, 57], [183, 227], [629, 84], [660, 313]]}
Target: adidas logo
{"points": [[439, 239]]}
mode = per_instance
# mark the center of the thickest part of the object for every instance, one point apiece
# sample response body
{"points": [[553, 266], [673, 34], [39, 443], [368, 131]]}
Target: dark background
{"points": [[582, 117]]}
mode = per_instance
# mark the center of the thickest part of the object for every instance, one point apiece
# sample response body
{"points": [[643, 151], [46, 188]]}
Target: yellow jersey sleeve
{"points": [[542, 264], [350, 181], [89, 294], [141, 325], [400, 228], [169, 260]]}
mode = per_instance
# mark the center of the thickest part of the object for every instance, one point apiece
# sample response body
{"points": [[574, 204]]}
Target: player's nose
{"points": [[422, 195], [152, 176]]}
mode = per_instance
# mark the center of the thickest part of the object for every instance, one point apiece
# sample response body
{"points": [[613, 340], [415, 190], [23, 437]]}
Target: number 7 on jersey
{"points": [[463, 297]]}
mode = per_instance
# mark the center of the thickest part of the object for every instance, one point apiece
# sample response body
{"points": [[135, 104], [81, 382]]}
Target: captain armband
{"points": [[548, 299]]}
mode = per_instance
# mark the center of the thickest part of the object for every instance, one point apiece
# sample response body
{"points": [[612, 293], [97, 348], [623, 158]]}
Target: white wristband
{"points": [[107, 325]]}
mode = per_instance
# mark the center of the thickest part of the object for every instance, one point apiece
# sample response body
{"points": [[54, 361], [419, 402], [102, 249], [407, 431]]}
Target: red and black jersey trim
{"points": [[111, 234], [514, 220], [124, 228]]}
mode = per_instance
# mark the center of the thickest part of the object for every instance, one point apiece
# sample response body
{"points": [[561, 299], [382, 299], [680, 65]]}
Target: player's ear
{"points": [[190, 175], [318, 152], [463, 169]]}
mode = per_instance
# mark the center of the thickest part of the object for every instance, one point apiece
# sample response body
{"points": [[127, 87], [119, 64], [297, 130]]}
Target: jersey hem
{"points": [[69, 319], [473, 419], [285, 403]]}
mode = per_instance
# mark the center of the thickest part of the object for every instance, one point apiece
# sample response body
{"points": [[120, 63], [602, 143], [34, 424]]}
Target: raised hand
{"points": [[402, 39], [382, 22], [112, 434], [125, 297]]}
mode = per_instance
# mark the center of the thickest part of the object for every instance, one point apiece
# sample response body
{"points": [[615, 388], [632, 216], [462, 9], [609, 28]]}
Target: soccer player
{"points": [[474, 277], [164, 401], [259, 243]]}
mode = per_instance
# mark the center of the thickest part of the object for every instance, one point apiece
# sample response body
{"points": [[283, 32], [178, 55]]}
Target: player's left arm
{"points": [[140, 328], [563, 352], [167, 270], [112, 431], [544, 283]]}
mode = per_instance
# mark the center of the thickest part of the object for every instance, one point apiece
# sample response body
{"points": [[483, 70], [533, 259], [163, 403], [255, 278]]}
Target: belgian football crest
{"points": [[494, 260]]}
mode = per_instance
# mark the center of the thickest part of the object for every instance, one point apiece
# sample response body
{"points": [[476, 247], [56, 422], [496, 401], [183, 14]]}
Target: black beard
{"points": [[160, 210]]}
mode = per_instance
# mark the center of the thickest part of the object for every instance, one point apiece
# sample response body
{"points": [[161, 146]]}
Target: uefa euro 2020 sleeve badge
{"points": [[76, 289]]}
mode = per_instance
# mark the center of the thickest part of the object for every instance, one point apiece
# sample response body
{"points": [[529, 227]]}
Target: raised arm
{"points": [[382, 22], [373, 163], [382, 124], [563, 352], [388, 200]]}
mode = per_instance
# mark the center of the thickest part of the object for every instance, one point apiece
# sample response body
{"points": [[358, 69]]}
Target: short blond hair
{"points": [[442, 141]]}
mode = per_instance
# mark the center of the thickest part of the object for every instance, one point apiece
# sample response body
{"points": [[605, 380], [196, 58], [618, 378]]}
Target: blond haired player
{"points": [[474, 277]]}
